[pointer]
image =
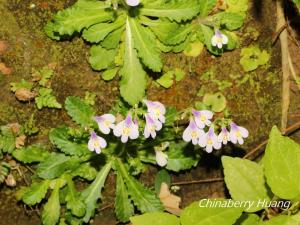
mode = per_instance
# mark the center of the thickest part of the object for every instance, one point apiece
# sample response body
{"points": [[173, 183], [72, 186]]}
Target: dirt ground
{"points": [[255, 105]]}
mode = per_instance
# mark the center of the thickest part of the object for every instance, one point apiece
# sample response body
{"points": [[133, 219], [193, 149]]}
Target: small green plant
{"points": [[128, 38], [252, 57]]}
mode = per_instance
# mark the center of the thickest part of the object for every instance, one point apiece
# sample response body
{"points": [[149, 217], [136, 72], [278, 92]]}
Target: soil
{"points": [[256, 104]]}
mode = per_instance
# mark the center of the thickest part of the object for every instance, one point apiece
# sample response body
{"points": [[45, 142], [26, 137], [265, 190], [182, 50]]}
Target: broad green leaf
{"points": [[80, 112], [30, 154], [74, 200], [181, 156], [282, 165], [162, 177], [81, 15], [46, 99], [196, 215], [166, 80], [145, 44], [179, 35], [7, 140], [194, 49], [51, 211], [206, 6], [252, 57], [55, 165], [98, 32], [101, 58], [283, 220], [185, 10], [60, 138], [216, 101], [237, 6], [231, 21], [144, 199], [157, 218], [93, 193], [109, 74], [245, 181], [133, 83], [35, 193], [123, 206], [248, 219], [85, 171], [112, 40]]}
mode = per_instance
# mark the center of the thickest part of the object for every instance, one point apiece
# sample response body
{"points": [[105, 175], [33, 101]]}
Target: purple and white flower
{"points": [[105, 122], [156, 110], [161, 158], [202, 118], [127, 129], [237, 134], [96, 143], [151, 126], [133, 2], [210, 141], [192, 132], [224, 136], [219, 39]]}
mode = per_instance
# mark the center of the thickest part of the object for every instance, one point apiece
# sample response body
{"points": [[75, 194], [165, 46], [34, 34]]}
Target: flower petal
{"points": [[244, 132], [161, 158], [118, 129], [214, 40], [124, 138], [224, 39], [186, 136]]}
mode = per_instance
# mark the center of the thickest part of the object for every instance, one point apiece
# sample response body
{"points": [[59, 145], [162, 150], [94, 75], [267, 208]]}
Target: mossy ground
{"points": [[255, 104]]}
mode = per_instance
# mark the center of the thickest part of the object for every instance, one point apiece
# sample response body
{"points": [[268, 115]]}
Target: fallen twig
{"points": [[211, 180]]}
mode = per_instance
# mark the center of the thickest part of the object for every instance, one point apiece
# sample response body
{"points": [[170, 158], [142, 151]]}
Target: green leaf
{"points": [[92, 194], [35, 193], [206, 6], [81, 15], [46, 99], [237, 6], [45, 74], [248, 219], [22, 84], [60, 138], [166, 80], [194, 49], [182, 11], [30, 154], [145, 44], [55, 165], [80, 112], [123, 206], [73, 199], [7, 140], [133, 83], [98, 32], [109, 74], [232, 21], [181, 157], [297, 2], [157, 218], [112, 40], [179, 35], [252, 57], [162, 177], [245, 181], [101, 58], [282, 164], [196, 215], [85, 171], [216, 101], [144, 199], [205, 34], [283, 220], [51, 211]]}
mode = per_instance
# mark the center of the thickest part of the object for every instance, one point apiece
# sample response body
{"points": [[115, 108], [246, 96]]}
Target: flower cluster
{"points": [[210, 140]]}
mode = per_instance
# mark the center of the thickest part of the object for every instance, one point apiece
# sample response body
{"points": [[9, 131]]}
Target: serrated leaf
{"points": [[196, 215], [99, 31], [7, 140], [60, 138], [35, 193], [181, 157], [245, 181], [93, 193], [80, 112], [51, 211], [179, 35], [123, 206], [30, 154], [206, 6], [22, 84], [81, 15], [145, 44], [248, 219], [232, 21], [112, 40], [144, 199], [182, 11], [101, 58], [157, 218], [55, 165], [85, 171], [45, 74], [133, 83], [282, 164], [73, 199], [46, 99]]}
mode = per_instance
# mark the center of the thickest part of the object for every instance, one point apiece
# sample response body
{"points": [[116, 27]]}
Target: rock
{"points": [[24, 95]]}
